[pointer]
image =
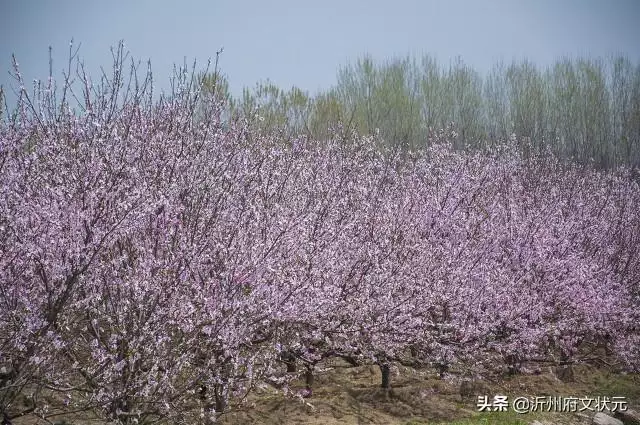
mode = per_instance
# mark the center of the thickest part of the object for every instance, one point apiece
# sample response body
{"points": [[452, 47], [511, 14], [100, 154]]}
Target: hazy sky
{"points": [[303, 43]]}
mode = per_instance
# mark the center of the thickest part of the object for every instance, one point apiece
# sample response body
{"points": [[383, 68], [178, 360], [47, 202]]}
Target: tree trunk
{"points": [[221, 403], [5, 419], [386, 379], [564, 371], [386, 376], [443, 368], [308, 376], [290, 360]]}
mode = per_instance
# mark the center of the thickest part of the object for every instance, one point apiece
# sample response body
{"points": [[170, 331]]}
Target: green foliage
{"points": [[268, 109], [326, 109], [581, 109], [503, 418], [384, 100]]}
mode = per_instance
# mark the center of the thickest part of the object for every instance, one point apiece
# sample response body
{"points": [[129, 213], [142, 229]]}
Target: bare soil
{"points": [[343, 394], [352, 395]]}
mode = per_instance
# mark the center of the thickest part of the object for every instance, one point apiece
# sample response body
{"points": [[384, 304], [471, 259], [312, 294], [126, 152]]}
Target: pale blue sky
{"points": [[303, 43]]}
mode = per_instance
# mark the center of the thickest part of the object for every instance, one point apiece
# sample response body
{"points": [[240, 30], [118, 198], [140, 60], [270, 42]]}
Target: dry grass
{"points": [[351, 395]]}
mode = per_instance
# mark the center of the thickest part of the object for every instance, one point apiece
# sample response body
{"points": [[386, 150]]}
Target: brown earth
{"points": [[351, 395], [343, 394]]}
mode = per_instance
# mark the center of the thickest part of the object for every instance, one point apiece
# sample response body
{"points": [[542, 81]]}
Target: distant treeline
{"points": [[582, 109]]}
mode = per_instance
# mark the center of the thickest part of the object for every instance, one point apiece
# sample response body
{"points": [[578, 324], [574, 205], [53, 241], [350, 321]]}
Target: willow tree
{"points": [[497, 108], [624, 87], [384, 99], [270, 108], [526, 93], [463, 87], [214, 89], [327, 112]]}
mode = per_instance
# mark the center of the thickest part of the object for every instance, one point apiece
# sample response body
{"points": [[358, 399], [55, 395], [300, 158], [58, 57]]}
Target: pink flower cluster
{"points": [[149, 259]]}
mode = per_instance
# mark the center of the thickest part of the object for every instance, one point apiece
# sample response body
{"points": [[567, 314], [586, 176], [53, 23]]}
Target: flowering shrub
{"points": [[153, 265]]}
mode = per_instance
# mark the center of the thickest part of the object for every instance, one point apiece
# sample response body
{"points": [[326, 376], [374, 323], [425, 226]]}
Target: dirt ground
{"points": [[351, 395], [343, 394]]}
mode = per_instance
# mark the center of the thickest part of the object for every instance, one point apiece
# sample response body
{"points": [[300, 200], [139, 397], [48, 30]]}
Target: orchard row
{"points": [[150, 264]]}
